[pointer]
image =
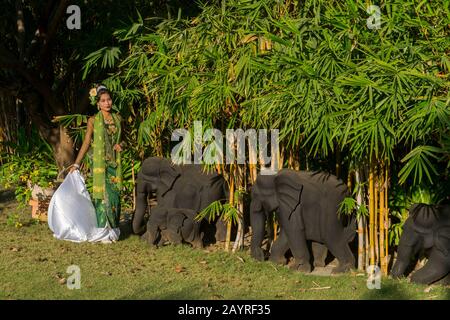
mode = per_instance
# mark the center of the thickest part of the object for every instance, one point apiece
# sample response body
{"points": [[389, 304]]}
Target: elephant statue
{"points": [[306, 205], [175, 225], [426, 229], [177, 186]]}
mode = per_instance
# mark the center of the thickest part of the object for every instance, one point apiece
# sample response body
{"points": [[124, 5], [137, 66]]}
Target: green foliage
{"points": [[312, 69], [226, 212], [269, 64], [348, 206], [31, 164], [13, 220]]}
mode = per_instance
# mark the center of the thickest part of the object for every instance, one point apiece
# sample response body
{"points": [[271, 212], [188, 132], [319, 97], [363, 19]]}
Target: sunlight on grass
{"points": [[33, 266]]}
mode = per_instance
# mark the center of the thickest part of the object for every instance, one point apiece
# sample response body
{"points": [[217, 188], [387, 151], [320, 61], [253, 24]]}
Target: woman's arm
{"points": [[86, 143]]}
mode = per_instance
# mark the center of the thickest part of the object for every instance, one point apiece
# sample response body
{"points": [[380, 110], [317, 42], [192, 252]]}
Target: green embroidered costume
{"points": [[107, 171]]}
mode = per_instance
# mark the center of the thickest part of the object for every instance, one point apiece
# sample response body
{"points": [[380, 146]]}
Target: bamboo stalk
{"points": [[382, 238], [338, 161], [376, 227], [361, 233], [238, 242], [134, 185], [349, 181], [291, 159], [280, 156], [275, 223], [228, 238], [366, 242], [252, 166], [218, 168], [386, 219], [371, 215]]}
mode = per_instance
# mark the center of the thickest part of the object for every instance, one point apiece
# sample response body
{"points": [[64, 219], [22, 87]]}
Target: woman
{"points": [[105, 129]]}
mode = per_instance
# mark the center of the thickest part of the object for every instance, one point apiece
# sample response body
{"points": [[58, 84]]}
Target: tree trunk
{"points": [[63, 147]]}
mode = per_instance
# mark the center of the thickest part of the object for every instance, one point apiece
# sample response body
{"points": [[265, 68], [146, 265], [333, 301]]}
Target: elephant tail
{"points": [[350, 229]]}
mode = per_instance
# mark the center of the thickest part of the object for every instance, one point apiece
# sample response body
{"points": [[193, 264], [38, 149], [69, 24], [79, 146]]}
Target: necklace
{"points": [[109, 121]]}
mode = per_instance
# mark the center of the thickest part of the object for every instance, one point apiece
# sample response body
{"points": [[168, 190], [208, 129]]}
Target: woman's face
{"points": [[105, 102]]}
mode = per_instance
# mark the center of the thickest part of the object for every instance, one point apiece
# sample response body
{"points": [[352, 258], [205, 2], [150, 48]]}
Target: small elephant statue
{"points": [[427, 228], [174, 225], [178, 186], [306, 205]]}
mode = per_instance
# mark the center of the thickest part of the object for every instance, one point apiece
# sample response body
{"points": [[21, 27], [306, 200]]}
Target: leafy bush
{"points": [[31, 163]]}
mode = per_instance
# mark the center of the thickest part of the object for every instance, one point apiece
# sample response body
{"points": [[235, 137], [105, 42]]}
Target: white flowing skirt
{"points": [[71, 214]]}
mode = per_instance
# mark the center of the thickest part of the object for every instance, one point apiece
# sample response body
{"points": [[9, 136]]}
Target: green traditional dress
{"points": [[107, 171]]}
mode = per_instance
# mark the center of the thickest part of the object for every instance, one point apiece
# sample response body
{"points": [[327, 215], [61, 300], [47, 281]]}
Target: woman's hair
{"points": [[101, 89]]}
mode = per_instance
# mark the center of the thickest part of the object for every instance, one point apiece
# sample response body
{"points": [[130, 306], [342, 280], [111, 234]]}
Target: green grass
{"points": [[33, 266]]}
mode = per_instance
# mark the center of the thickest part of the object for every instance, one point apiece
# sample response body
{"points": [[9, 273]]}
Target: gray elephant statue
{"points": [[306, 205], [174, 225], [427, 230], [177, 186]]}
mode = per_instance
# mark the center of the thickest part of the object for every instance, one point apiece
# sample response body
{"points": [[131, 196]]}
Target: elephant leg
{"points": [[320, 253], [258, 222], [145, 237], [279, 248], [435, 269], [194, 236], [175, 220], [190, 230], [174, 235], [341, 250], [299, 249], [297, 240], [151, 235]]}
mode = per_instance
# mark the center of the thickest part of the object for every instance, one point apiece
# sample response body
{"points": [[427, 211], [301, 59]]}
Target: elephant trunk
{"points": [[257, 221], [141, 206]]}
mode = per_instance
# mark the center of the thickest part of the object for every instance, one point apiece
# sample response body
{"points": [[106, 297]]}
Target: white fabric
{"points": [[71, 214]]}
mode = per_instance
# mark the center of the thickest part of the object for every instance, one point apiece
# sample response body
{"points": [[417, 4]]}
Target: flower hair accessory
{"points": [[94, 92], [93, 96]]}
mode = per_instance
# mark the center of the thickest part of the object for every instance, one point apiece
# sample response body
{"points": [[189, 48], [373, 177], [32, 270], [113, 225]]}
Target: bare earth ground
{"points": [[33, 265]]}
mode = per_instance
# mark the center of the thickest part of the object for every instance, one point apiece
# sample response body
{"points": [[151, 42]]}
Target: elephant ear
{"points": [[289, 191], [167, 175], [442, 240]]}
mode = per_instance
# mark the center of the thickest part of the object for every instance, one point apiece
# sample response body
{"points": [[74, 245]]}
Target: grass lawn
{"points": [[33, 265]]}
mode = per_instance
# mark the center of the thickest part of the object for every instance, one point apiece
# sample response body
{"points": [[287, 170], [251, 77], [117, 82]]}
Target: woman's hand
{"points": [[117, 147], [74, 167]]}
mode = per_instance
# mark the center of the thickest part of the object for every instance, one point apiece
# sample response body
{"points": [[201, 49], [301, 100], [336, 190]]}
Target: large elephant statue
{"points": [[426, 229], [176, 186], [306, 206], [175, 225]]}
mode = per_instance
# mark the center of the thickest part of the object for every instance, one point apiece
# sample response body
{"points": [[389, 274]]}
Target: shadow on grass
{"points": [[125, 226], [389, 291], [190, 292]]}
